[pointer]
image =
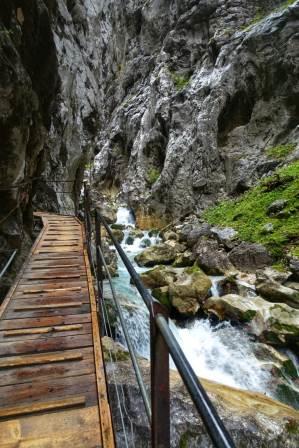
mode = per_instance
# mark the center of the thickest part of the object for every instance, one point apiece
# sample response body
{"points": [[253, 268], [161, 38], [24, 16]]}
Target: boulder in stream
{"points": [[275, 292], [159, 254], [189, 290], [277, 324], [159, 276]]}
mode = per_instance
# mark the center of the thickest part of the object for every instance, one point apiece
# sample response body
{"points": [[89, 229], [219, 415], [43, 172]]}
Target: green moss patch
{"points": [[261, 13], [180, 81], [153, 175], [248, 214], [280, 151]]}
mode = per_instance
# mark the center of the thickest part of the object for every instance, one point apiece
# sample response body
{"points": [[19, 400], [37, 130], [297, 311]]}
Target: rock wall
{"points": [[50, 108], [195, 91]]}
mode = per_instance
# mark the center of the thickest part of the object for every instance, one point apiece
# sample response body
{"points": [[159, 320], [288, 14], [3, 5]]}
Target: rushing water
{"points": [[220, 353]]}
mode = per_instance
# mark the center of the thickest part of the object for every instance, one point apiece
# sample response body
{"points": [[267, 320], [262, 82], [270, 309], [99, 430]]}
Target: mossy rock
{"points": [[162, 295], [118, 226]]}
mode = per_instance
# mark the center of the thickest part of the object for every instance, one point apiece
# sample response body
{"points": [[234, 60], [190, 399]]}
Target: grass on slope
{"points": [[248, 213]]}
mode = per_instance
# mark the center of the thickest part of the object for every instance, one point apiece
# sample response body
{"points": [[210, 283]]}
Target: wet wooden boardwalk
{"points": [[52, 384]]}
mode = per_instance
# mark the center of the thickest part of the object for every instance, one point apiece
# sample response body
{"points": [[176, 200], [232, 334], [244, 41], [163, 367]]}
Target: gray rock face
{"points": [[211, 258], [294, 267], [194, 95], [50, 107], [250, 257]]}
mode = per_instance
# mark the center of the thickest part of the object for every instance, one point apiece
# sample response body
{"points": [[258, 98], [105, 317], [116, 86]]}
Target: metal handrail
{"points": [[214, 425], [163, 343], [10, 260], [131, 349]]}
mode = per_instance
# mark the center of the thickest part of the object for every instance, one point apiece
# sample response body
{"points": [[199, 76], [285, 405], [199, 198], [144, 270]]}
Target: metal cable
{"points": [[111, 354], [107, 321], [129, 343], [8, 263], [113, 373]]}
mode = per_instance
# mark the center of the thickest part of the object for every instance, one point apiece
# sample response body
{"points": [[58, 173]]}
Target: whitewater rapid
{"points": [[219, 353]]}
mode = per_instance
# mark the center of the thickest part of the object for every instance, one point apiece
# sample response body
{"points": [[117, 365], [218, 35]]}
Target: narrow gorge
{"points": [[182, 118]]}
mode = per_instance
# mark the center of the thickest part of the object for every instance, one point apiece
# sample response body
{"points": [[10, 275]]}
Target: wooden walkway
{"points": [[52, 383]]}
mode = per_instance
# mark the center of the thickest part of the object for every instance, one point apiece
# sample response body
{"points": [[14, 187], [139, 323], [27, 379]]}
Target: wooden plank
{"points": [[46, 390], [42, 330], [78, 295], [57, 343], [50, 275], [76, 428], [105, 413], [10, 314], [47, 306], [39, 334], [56, 258], [45, 372], [6, 324], [42, 266], [46, 324], [48, 300], [26, 360], [53, 250], [42, 407], [47, 288]]}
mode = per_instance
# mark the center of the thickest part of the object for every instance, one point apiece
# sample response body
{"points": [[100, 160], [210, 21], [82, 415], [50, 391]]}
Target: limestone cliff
{"points": [[195, 93], [50, 105]]}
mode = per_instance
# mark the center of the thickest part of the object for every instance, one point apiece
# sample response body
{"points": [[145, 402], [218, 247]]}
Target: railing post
{"points": [[99, 272], [160, 395]]}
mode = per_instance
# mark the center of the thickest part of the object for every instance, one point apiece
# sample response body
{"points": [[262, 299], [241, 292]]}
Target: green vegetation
{"points": [[180, 81], [153, 175], [249, 315], [186, 438], [280, 151], [262, 13], [193, 269], [248, 214]]}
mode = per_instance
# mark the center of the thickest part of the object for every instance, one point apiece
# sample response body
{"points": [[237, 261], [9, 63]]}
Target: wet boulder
{"points": [[109, 213], [211, 258], [146, 242], [129, 240], [233, 307], [253, 419], [249, 257], [169, 235], [184, 259], [159, 276], [189, 291], [275, 292], [162, 295], [276, 324], [136, 233], [158, 254], [118, 234]]}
